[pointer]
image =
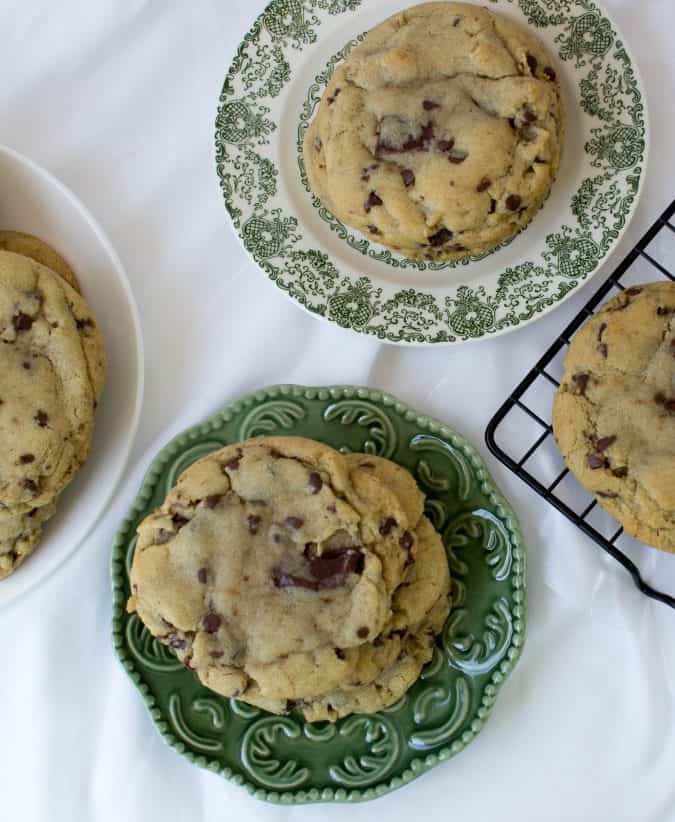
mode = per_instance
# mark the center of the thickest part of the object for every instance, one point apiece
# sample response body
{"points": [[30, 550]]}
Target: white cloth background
{"points": [[118, 100]]}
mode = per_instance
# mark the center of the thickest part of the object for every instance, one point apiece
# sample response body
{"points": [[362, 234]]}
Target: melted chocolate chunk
{"points": [[211, 622], [315, 483], [372, 201], [282, 579], [429, 105], [388, 526], [202, 575], [408, 177], [620, 472], [531, 62], [549, 74], [445, 145], [252, 523], [581, 381], [605, 442], [484, 184], [512, 202], [406, 540], [669, 405], [179, 521], [457, 157], [294, 523], [440, 238], [25, 459], [233, 464], [337, 564], [595, 462], [22, 322]]}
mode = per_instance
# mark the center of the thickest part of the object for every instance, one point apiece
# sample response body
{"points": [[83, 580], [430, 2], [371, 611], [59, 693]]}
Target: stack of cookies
{"points": [[52, 368], [292, 577]]}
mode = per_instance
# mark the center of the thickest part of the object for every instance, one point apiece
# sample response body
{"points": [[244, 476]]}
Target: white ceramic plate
{"points": [[269, 98], [33, 201]]}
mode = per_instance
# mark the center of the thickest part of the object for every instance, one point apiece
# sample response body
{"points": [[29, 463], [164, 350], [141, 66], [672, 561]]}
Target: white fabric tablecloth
{"points": [[118, 100]]}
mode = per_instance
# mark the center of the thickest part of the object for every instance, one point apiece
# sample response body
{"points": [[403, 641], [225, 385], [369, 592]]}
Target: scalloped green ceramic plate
{"points": [[270, 96], [285, 759]]}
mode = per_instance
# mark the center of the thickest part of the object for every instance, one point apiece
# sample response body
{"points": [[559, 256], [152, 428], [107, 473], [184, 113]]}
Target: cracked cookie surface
{"points": [[439, 136], [51, 377], [291, 577], [614, 413]]}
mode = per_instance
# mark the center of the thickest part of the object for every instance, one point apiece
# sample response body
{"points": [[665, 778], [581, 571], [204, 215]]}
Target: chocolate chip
{"points": [[512, 202], [25, 459], [336, 565], [331, 508], [310, 550], [388, 526], [212, 500], [372, 201], [440, 238], [315, 483], [25, 365], [529, 116], [581, 381], [512, 122], [177, 643], [211, 622], [373, 229], [633, 291], [85, 323], [32, 512], [291, 704], [549, 74], [484, 184], [595, 462], [362, 632], [607, 494], [406, 540], [202, 575], [659, 398], [339, 653], [367, 465], [602, 348], [445, 145], [408, 177], [429, 105], [456, 22], [531, 62], [601, 331], [620, 472], [22, 322], [331, 100], [493, 206], [216, 654], [365, 178], [604, 443], [179, 520], [457, 157], [457, 247], [294, 523], [252, 523], [233, 464], [30, 486], [186, 663], [662, 311], [669, 405]]}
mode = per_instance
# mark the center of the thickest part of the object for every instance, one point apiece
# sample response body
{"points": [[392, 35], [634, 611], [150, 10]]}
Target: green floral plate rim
{"points": [[268, 99], [285, 759]]}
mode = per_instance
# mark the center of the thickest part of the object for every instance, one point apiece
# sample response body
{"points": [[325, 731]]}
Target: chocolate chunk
{"points": [[388, 526], [331, 508], [512, 202], [440, 238], [604, 443], [429, 105], [213, 500], [512, 122], [179, 520], [408, 177], [362, 632], [406, 540], [310, 550], [581, 381], [202, 575], [659, 398], [25, 365], [457, 157], [252, 523], [669, 405], [294, 523], [602, 348], [85, 323], [339, 653], [233, 464], [315, 483], [373, 229], [30, 486], [662, 311], [531, 62], [620, 472], [283, 579], [549, 74], [331, 100], [22, 322], [484, 184], [372, 201], [336, 564], [633, 291], [595, 462], [291, 704], [25, 459], [529, 116], [177, 643], [211, 622], [216, 654], [601, 331], [445, 145], [493, 206], [33, 512], [456, 22]]}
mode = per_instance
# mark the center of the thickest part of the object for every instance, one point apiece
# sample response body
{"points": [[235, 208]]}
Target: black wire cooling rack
{"points": [[528, 408]]}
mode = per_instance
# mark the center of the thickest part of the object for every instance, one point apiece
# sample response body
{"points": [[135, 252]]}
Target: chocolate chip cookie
{"points": [[290, 577], [614, 413], [30, 246], [439, 136], [52, 366]]}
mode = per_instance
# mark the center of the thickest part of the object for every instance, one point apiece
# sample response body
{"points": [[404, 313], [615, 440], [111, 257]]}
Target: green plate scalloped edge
{"points": [[269, 96], [285, 759]]}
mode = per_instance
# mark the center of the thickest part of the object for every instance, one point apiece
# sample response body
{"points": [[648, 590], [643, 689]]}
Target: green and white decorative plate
{"points": [[269, 97], [286, 759]]}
